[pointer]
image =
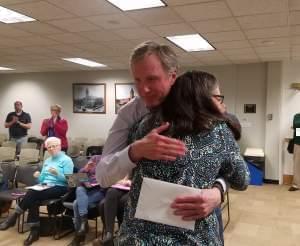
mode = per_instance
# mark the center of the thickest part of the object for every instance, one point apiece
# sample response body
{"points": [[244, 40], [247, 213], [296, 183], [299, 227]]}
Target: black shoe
{"points": [[83, 229], [77, 240], [9, 222], [293, 188], [108, 239], [33, 236]]}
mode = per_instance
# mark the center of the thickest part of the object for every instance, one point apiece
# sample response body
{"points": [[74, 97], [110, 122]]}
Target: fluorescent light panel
{"points": [[84, 62], [191, 42], [6, 69], [136, 4], [9, 16]]}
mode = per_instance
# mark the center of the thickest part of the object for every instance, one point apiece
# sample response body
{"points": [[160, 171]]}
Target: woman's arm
{"points": [[234, 169], [61, 127], [44, 127]]}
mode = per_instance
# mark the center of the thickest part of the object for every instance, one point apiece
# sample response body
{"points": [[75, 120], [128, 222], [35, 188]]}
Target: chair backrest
{"points": [[25, 173], [29, 145], [9, 144], [3, 138], [7, 153], [79, 162], [8, 171], [94, 150], [74, 150], [29, 156]]}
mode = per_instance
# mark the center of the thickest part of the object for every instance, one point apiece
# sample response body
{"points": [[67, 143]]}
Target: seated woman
{"points": [[114, 204], [194, 118], [53, 174], [87, 194]]}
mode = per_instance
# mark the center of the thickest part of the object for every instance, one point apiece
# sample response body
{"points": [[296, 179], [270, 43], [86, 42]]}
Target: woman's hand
{"points": [[36, 174], [53, 171]]}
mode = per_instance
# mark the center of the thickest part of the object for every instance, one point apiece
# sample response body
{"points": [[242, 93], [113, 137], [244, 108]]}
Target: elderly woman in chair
{"points": [[53, 177]]}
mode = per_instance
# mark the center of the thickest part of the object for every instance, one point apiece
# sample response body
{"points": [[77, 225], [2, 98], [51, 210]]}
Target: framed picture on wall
{"points": [[249, 108], [89, 98], [123, 94]]}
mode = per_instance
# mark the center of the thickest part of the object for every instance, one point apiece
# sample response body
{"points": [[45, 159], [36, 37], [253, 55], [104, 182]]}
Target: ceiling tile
{"points": [[239, 52], [37, 40], [224, 36], [250, 7], [295, 17], [261, 21], [267, 32], [101, 35], [155, 16], [74, 25], [204, 11], [172, 29], [82, 8], [295, 40], [41, 10], [295, 30], [232, 44], [277, 42], [115, 21], [37, 28], [218, 25], [10, 31], [294, 5], [135, 33], [68, 38], [184, 2], [11, 2]]}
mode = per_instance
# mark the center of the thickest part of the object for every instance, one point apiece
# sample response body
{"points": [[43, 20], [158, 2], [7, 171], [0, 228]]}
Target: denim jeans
{"points": [[84, 199], [19, 142]]}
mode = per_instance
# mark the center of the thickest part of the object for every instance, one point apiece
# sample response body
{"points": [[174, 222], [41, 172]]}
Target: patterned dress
{"points": [[209, 155]]}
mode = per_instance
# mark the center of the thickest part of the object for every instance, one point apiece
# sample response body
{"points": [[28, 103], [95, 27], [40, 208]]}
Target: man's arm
{"points": [[10, 120], [115, 163], [26, 126]]}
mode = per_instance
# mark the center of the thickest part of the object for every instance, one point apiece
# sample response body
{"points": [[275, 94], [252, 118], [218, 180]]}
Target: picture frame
{"points": [[124, 92], [89, 98], [249, 108]]}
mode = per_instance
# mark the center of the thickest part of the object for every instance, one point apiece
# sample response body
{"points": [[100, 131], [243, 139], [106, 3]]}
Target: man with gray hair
{"points": [[154, 68]]}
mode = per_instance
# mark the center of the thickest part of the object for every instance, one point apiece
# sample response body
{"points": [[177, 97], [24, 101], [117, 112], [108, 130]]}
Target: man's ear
{"points": [[173, 76]]}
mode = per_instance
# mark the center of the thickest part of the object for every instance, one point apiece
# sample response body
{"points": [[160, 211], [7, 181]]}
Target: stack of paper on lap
{"points": [[155, 199]]}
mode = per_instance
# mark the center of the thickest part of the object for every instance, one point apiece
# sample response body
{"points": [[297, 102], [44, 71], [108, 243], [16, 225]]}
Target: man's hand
{"points": [[36, 174], [157, 147], [193, 207]]}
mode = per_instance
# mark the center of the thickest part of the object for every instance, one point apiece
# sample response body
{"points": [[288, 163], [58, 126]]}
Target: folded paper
{"points": [[155, 200]]}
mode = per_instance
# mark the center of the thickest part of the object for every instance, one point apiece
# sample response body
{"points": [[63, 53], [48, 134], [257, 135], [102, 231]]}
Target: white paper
{"points": [[38, 187], [155, 199], [297, 132]]}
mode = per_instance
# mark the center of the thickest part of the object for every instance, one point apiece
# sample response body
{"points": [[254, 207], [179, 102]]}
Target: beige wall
{"points": [[239, 83]]}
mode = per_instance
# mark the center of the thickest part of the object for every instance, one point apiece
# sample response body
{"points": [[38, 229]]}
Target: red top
{"points": [[59, 127]]}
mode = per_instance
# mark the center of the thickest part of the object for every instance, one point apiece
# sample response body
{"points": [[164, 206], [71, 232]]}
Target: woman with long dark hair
{"points": [[195, 119]]}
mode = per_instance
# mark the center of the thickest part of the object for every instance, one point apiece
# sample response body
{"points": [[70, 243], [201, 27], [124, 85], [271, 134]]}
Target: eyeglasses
{"points": [[52, 146], [220, 98]]}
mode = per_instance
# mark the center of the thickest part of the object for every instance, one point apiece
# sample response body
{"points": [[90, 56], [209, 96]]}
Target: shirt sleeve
{"points": [[115, 163], [234, 169]]}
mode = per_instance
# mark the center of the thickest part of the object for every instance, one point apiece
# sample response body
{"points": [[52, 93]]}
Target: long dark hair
{"points": [[189, 106]]}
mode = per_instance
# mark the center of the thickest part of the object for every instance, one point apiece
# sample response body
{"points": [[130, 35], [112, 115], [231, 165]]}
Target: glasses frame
{"points": [[220, 98]]}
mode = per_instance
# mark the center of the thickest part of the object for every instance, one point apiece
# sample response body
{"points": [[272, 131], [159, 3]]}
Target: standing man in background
{"points": [[18, 123]]}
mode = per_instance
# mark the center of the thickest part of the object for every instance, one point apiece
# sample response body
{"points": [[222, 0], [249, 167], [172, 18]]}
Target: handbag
{"points": [[290, 147]]}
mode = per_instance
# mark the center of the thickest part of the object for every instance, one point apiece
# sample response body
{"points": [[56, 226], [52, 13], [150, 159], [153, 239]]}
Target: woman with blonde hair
{"points": [[56, 126]]}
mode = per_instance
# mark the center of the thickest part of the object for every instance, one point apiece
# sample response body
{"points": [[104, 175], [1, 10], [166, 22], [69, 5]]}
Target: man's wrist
{"points": [[132, 153]]}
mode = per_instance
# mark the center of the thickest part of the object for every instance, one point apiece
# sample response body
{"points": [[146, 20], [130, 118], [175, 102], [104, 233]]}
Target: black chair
{"points": [[23, 177], [94, 150]]}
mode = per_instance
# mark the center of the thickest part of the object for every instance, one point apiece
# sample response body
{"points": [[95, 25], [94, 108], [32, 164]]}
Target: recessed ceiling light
{"points": [[6, 69], [136, 4], [9, 16], [191, 42], [84, 62]]}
